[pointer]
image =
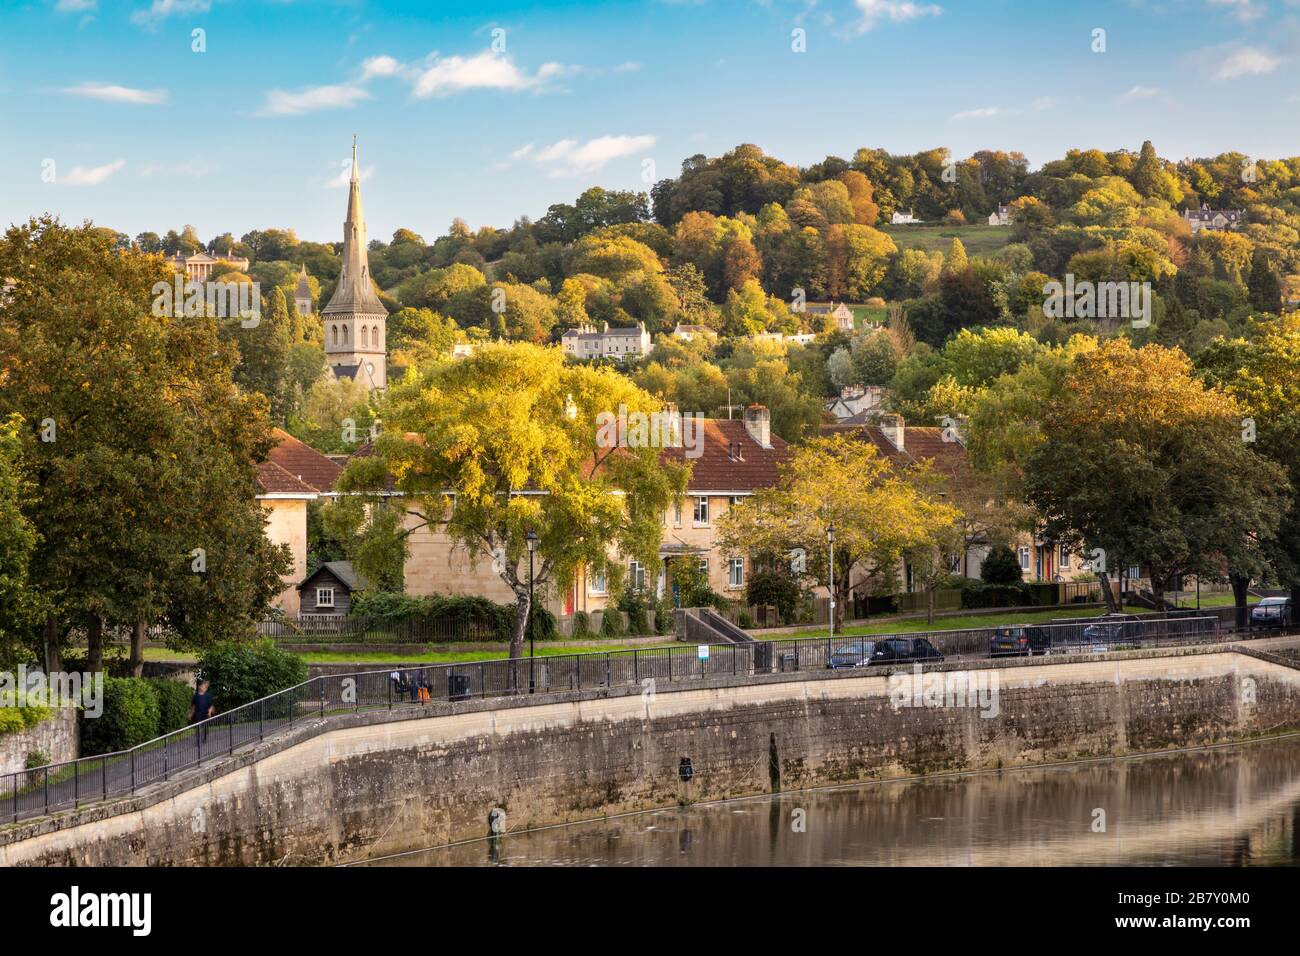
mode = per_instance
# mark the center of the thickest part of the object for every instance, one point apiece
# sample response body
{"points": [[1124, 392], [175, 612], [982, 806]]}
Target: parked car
{"points": [[1111, 629], [1019, 642], [903, 649], [851, 654], [894, 650], [1271, 612]]}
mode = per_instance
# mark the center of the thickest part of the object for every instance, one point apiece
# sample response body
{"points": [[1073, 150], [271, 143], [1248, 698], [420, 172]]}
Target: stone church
{"points": [[354, 321]]}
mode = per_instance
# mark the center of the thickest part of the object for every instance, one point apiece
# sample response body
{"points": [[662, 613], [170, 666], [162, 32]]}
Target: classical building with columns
{"points": [[354, 322]]}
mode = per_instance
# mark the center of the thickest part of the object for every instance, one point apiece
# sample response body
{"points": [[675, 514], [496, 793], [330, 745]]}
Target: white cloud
{"points": [[484, 71], [1248, 61], [1140, 93], [896, 11], [118, 94], [380, 66], [571, 157], [984, 112], [93, 176], [313, 99], [628, 67], [76, 6], [160, 10], [344, 176]]}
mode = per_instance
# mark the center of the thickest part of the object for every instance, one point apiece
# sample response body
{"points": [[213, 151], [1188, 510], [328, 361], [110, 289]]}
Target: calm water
{"points": [[1234, 806]]}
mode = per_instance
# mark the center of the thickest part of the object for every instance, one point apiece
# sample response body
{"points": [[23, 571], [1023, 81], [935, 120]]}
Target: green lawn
{"points": [[980, 240]]}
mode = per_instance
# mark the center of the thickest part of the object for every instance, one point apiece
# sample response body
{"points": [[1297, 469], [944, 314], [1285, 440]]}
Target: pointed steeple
{"points": [[355, 293]]}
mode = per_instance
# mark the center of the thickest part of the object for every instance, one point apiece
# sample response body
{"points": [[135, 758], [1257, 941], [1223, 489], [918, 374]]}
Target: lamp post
{"points": [[531, 538], [830, 539]]}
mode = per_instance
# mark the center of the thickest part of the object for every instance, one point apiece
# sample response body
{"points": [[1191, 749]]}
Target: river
{"points": [[1227, 806]]}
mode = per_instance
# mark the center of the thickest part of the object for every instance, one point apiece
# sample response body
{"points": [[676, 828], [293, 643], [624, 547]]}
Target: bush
{"points": [[387, 606], [581, 624], [775, 588], [174, 699], [744, 621], [665, 623], [244, 672], [130, 717], [611, 623], [1001, 566], [36, 758], [634, 604], [21, 716], [543, 623]]}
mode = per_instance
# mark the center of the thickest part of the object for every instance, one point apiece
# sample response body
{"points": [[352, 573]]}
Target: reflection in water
{"points": [[1233, 806]]}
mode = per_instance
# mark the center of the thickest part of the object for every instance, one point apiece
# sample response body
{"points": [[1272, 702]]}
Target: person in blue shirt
{"points": [[202, 707]]}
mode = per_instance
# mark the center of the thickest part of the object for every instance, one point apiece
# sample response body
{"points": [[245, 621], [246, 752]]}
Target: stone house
{"points": [[293, 475], [590, 342]]}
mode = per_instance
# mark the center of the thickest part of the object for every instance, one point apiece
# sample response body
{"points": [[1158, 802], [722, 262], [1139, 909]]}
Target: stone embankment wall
{"points": [[381, 783]]}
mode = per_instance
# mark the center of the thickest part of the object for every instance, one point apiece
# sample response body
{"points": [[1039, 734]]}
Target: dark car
{"points": [[898, 650], [893, 650], [1111, 629], [1019, 642], [851, 654], [1271, 612]]}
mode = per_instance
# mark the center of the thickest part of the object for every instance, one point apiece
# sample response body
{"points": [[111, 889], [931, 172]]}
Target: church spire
{"points": [[355, 292]]}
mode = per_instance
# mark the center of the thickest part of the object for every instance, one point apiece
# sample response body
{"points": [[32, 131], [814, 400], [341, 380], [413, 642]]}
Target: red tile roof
{"points": [[274, 480], [302, 462], [716, 469], [919, 444]]}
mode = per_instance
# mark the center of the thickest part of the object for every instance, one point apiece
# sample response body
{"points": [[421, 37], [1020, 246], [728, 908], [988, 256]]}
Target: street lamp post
{"points": [[531, 538], [830, 539]]}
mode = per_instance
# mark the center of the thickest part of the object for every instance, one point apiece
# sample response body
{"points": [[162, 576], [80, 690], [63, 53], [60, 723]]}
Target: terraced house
{"points": [[737, 457]]}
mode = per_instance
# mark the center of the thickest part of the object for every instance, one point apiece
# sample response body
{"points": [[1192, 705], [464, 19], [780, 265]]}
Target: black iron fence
{"points": [[40, 791]]}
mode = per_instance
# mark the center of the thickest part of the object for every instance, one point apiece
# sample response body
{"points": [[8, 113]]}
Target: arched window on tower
{"points": [[334, 335], [345, 335], [361, 341], [374, 337]]}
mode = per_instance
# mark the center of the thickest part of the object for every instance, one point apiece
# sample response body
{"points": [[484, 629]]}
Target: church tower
{"points": [[354, 322], [302, 297]]}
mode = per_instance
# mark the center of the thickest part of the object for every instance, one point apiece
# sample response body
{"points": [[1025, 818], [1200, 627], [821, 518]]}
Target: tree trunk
{"points": [[53, 653], [1240, 594], [929, 605], [1158, 591], [138, 633], [95, 644], [518, 634], [1107, 594]]}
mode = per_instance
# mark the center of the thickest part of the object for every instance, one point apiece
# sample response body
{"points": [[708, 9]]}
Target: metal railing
{"points": [[339, 628], [55, 787]]}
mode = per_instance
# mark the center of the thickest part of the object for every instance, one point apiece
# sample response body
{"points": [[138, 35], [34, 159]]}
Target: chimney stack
{"points": [[892, 427], [758, 422]]}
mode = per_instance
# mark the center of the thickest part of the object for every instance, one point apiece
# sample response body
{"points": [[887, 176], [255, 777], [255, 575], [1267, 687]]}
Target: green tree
{"points": [[513, 436]]}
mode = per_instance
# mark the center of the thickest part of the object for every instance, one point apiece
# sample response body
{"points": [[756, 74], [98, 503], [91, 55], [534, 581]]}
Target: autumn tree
{"points": [[878, 514], [506, 442], [1141, 460]]}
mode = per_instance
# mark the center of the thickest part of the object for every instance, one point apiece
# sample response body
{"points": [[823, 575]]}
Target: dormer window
{"points": [[734, 452]]}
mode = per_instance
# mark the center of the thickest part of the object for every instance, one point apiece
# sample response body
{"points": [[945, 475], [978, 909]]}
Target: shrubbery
{"points": [[611, 623], [13, 719], [581, 624], [1001, 566], [130, 717], [174, 698], [242, 672]]}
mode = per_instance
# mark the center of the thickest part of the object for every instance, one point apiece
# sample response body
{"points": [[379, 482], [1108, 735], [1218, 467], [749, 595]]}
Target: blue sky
{"points": [[145, 133]]}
